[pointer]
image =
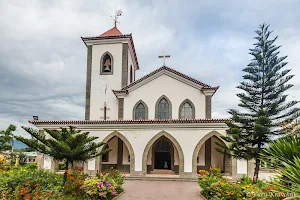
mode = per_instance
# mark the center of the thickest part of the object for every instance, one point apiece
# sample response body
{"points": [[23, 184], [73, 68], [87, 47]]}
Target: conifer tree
{"points": [[263, 101], [67, 143]]}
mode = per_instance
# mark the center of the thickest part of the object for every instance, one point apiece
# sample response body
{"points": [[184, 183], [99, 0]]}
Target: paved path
{"points": [[160, 190]]}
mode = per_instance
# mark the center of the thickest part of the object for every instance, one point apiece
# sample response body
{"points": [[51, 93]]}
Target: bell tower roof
{"points": [[112, 32]]}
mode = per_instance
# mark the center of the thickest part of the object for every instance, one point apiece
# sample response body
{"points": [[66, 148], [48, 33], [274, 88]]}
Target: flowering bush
{"points": [[75, 180], [206, 179], [2, 160], [29, 183], [216, 187], [104, 186]]}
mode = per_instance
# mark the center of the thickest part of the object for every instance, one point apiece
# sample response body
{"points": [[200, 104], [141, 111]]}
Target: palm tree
{"points": [[69, 144], [284, 155], [6, 137]]}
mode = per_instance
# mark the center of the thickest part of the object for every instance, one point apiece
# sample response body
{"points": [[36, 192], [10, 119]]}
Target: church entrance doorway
{"points": [[162, 154], [163, 157]]}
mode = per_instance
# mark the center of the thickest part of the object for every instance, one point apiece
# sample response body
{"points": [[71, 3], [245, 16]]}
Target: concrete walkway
{"points": [[160, 190]]}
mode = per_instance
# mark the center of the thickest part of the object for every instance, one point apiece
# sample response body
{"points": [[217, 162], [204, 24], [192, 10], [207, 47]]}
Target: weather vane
{"points": [[117, 14]]}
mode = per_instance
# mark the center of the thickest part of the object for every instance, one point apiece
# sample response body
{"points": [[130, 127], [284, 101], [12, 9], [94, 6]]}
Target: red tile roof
{"points": [[153, 121], [205, 86], [112, 32]]}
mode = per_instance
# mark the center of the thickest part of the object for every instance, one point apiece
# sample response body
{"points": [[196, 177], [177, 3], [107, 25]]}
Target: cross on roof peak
{"points": [[164, 56]]}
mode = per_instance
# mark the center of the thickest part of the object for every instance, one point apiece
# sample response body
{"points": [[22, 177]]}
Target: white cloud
{"points": [[43, 60]]}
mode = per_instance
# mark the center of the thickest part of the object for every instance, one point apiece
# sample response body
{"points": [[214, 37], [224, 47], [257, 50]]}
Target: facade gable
{"points": [[172, 73], [175, 92]]}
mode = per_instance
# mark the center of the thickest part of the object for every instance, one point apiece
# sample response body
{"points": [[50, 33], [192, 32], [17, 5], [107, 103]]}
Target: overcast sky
{"points": [[43, 60]]}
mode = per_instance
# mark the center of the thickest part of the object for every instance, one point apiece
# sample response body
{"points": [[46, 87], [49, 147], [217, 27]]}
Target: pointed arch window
{"points": [[187, 110], [106, 64], [163, 108], [140, 111]]}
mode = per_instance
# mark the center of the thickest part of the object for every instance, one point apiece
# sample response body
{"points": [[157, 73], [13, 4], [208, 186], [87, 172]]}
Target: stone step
{"points": [[165, 178], [162, 171]]}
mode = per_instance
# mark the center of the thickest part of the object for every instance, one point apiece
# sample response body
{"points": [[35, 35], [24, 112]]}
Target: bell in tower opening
{"points": [[106, 64]]}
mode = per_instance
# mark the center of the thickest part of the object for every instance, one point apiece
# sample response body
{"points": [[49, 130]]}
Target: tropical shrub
{"points": [[69, 144], [28, 183], [75, 180], [215, 187], [284, 155], [116, 176], [104, 186]]}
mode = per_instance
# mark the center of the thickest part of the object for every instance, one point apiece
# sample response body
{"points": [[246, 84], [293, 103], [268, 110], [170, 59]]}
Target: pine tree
{"points": [[263, 101], [6, 137], [67, 143]]}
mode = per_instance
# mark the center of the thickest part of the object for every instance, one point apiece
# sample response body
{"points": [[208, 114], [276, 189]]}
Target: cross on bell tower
{"points": [[105, 108], [115, 17]]}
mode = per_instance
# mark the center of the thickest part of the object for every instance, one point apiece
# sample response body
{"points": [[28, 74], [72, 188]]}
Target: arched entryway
{"points": [[205, 154], [163, 154], [121, 157]]}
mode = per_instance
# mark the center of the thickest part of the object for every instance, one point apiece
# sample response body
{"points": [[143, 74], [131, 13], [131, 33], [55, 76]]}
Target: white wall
{"points": [[241, 166], [187, 138], [98, 81], [129, 66], [175, 90]]}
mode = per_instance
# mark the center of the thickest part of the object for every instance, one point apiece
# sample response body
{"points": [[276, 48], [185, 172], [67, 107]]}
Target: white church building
{"points": [[160, 123]]}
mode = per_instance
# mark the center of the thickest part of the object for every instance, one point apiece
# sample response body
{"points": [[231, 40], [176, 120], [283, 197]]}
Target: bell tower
{"points": [[111, 65]]}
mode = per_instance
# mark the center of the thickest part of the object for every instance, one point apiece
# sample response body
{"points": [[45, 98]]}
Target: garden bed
{"points": [[214, 186], [30, 183]]}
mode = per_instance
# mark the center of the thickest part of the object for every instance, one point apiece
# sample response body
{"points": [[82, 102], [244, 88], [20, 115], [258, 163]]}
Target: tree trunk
{"points": [[66, 171], [256, 170]]}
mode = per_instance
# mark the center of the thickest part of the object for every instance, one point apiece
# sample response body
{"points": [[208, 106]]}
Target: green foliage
{"points": [[284, 155], [206, 179], [16, 178], [61, 165], [263, 101], [30, 166], [104, 186], [215, 187], [6, 138], [67, 143], [75, 180], [29, 183]]}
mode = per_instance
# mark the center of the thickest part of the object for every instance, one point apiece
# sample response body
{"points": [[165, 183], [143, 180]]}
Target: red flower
{"points": [[26, 183], [48, 194]]}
